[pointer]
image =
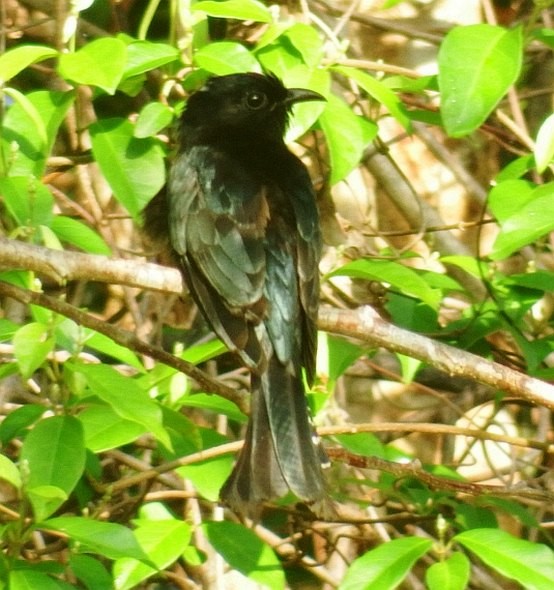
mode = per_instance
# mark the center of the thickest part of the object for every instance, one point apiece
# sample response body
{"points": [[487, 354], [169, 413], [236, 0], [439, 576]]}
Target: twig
{"points": [[127, 339]]}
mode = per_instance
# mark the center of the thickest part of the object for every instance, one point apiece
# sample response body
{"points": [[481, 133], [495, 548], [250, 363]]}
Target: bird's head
{"points": [[247, 106]]}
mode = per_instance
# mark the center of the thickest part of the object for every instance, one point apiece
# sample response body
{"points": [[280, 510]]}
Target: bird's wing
{"points": [[218, 217]]}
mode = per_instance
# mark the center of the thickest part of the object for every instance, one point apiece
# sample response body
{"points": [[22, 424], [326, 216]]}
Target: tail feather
{"points": [[279, 453]]}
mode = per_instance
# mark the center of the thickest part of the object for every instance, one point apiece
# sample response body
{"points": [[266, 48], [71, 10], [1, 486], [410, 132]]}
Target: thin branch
{"points": [[519, 491], [366, 325], [363, 324], [127, 339]]}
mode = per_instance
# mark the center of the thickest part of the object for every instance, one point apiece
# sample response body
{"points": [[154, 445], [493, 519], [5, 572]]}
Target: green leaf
{"points": [[380, 93], [307, 41], [244, 551], [164, 541], [126, 398], [337, 354], [27, 579], [544, 146], [105, 538], [305, 114], [17, 421], [54, 453], [133, 167], [45, 500], [28, 201], [144, 56], [347, 136], [530, 564], [450, 574], [516, 168], [18, 58], [214, 403], [477, 66], [225, 57], [527, 224], [32, 343], [19, 129], [237, 9], [508, 197], [540, 279], [386, 566], [29, 109], [209, 475], [9, 472], [405, 279], [365, 444], [154, 117], [78, 234], [91, 572], [107, 346], [104, 429], [98, 63]]}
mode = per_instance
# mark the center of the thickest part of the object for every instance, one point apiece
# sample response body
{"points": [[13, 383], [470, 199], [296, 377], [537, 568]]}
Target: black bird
{"points": [[244, 225]]}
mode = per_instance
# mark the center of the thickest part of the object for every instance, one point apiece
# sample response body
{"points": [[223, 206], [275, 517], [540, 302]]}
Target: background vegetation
{"points": [[121, 416]]}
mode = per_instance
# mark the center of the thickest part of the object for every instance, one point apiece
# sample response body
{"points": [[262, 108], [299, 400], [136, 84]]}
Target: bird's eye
{"points": [[256, 100]]}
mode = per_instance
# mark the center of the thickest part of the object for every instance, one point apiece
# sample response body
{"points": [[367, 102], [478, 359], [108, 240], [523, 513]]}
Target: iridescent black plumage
{"points": [[244, 224]]}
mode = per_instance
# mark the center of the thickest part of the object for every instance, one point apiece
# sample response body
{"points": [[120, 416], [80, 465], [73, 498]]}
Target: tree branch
{"points": [[363, 324]]}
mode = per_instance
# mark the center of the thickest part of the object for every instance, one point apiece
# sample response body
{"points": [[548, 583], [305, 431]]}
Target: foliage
{"points": [[110, 462]]}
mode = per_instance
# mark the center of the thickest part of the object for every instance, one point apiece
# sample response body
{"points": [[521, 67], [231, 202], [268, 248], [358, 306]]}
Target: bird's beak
{"points": [[295, 95]]}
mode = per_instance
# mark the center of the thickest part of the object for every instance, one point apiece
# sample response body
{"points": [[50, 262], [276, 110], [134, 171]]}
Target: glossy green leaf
{"points": [[307, 41], [45, 500], [91, 572], [530, 564], [209, 475], [15, 60], [98, 63], [28, 579], [365, 444], [541, 279], [105, 345], [379, 92], [126, 398], [29, 202], [9, 472], [450, 574], [477, 66], [54, 453], [154, 117], [339, 354], [214, 403], [305, 114], [237, 9], [402, 278], [19, 130], [78, 234], [32, 343], [527, 224], [508, 197], [104, 429], [33, 115], [225, 57], [544, 146], [385, 567], [164, 541], [243, 550], [347, 134], [108, 539], [144, 56], [133, 167], [17, 421]]}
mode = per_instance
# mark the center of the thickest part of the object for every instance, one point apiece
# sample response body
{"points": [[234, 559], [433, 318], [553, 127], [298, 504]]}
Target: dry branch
{"points": [[363, 324]]}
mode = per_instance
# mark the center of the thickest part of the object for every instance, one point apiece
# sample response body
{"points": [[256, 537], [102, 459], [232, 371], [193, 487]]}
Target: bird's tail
{"points": [[279, 452]]}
